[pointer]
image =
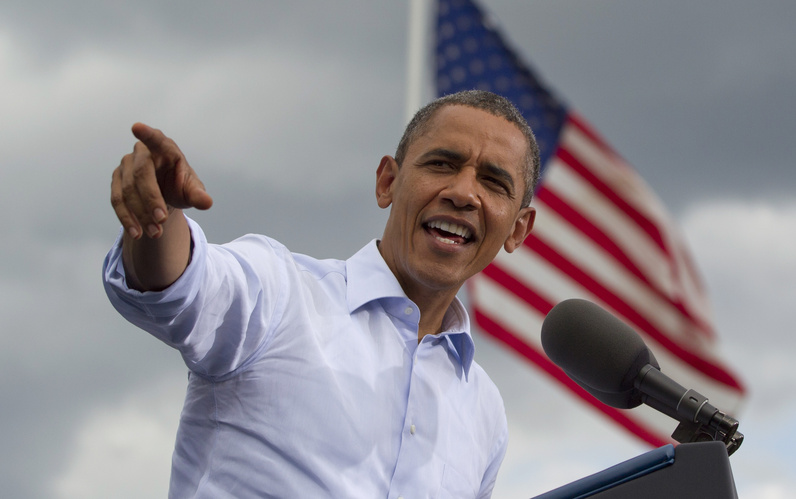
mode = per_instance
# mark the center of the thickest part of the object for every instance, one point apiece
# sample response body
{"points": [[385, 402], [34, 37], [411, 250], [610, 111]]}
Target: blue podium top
{"points": [[615, 475]]}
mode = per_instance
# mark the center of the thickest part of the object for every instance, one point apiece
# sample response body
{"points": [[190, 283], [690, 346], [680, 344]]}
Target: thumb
{"points": [[195, 194]]}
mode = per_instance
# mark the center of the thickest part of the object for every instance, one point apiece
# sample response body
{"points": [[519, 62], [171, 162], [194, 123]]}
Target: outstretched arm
{"points": [[149, 190]]}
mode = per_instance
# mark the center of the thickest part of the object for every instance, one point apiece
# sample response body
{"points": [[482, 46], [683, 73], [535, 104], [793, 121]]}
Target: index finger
{"points": [[157, 142]]}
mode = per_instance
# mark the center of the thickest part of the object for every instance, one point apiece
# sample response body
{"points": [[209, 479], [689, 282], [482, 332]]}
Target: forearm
{"points": [[154, 264]]}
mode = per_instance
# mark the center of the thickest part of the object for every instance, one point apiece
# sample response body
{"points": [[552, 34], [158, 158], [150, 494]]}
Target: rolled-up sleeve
{"points": [[220, 311]]}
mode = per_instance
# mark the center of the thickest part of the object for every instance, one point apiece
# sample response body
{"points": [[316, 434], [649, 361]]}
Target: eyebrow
{"points": [[456, 156], [442, 152], [501, 173]]}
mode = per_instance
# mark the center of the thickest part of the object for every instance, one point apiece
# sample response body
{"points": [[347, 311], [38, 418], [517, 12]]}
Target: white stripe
{"points": [[508, 310], [694, 297]]}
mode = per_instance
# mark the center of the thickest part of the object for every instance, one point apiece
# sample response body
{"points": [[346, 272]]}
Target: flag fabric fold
{"points": [[601, 234]]}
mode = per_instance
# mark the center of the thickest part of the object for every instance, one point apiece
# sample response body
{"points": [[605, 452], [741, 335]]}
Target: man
{"points": [[328, 378]]}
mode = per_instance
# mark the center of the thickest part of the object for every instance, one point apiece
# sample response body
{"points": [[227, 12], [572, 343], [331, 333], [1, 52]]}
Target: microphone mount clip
{"points": [[723, 428]]}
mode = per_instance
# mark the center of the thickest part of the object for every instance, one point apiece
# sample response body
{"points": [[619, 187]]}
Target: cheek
{"points": [[502, 218], [501, 225]]}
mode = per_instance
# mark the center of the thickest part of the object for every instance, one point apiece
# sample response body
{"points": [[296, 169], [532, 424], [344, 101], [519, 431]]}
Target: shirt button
{"points": [[412, 429], [408, 310]]}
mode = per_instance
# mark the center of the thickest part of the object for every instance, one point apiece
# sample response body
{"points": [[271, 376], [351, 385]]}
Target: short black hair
{"points": [[486, 101]]}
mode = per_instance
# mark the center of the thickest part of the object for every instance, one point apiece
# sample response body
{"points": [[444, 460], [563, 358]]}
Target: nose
{"points": [[463, 190]]}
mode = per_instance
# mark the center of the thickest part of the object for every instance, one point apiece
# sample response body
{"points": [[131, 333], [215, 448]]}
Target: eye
{"points": [[497, 183], [440, 164]]}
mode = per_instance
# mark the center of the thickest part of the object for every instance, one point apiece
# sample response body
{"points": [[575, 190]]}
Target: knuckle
{"points": [[128, 191], [150, 202], [116, 199], [140, 173], [126, 219]]}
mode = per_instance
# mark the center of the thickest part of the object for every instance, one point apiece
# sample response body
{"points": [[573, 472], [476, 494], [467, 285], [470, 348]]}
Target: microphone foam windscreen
{"points": [[598, 351]]}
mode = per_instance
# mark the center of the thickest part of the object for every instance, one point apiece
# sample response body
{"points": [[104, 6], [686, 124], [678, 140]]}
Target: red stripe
{"points": [[578, 122], [645, 224], [628, 312], [591, 231], [535, 357], [508, 281], [693, 271]]}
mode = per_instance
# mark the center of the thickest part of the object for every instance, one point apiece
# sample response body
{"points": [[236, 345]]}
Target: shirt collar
{"points": [[369, 278], [457, 325]]}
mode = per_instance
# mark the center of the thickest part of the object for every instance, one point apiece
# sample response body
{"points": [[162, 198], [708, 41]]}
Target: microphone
{"points": [[608, 359]]}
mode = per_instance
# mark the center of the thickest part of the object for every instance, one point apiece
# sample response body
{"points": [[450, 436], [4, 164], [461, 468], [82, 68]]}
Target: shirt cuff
{"points": [[181, 291]]}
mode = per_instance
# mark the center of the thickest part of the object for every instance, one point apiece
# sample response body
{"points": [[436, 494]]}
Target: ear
{"points": [[522, 227], [385, 176]]}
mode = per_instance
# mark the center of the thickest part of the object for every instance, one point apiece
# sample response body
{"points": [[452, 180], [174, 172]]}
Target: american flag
{"points": [[601, 234]]}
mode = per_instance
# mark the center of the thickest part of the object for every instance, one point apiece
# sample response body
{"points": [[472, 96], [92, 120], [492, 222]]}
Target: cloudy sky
{"points": [[285, 108]]}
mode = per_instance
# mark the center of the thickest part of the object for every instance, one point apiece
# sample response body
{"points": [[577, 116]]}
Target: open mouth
{"points": [[449, 233]]}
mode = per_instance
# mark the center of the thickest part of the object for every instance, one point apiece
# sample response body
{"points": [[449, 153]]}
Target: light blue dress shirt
{"points": [[307, 379]]}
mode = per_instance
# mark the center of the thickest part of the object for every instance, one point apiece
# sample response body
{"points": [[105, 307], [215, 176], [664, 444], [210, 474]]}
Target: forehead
{"points": [[475, 133]]}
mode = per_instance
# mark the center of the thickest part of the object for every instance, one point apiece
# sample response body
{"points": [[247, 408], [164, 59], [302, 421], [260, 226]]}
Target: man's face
{"points": [[456, 200]]}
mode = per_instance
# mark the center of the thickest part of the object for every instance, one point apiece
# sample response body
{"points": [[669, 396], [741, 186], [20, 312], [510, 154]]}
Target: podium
{"points": [[690, 470]]}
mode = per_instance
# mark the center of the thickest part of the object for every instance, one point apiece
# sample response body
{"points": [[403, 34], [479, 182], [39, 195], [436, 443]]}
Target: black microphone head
{"points": [[599, 352]]}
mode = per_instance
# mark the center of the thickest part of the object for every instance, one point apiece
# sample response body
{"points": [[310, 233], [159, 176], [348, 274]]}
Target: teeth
{"points": [[459, 230]]}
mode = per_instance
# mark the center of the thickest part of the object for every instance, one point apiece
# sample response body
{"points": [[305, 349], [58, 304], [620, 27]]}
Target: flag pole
{"points": [[417, 47]]}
